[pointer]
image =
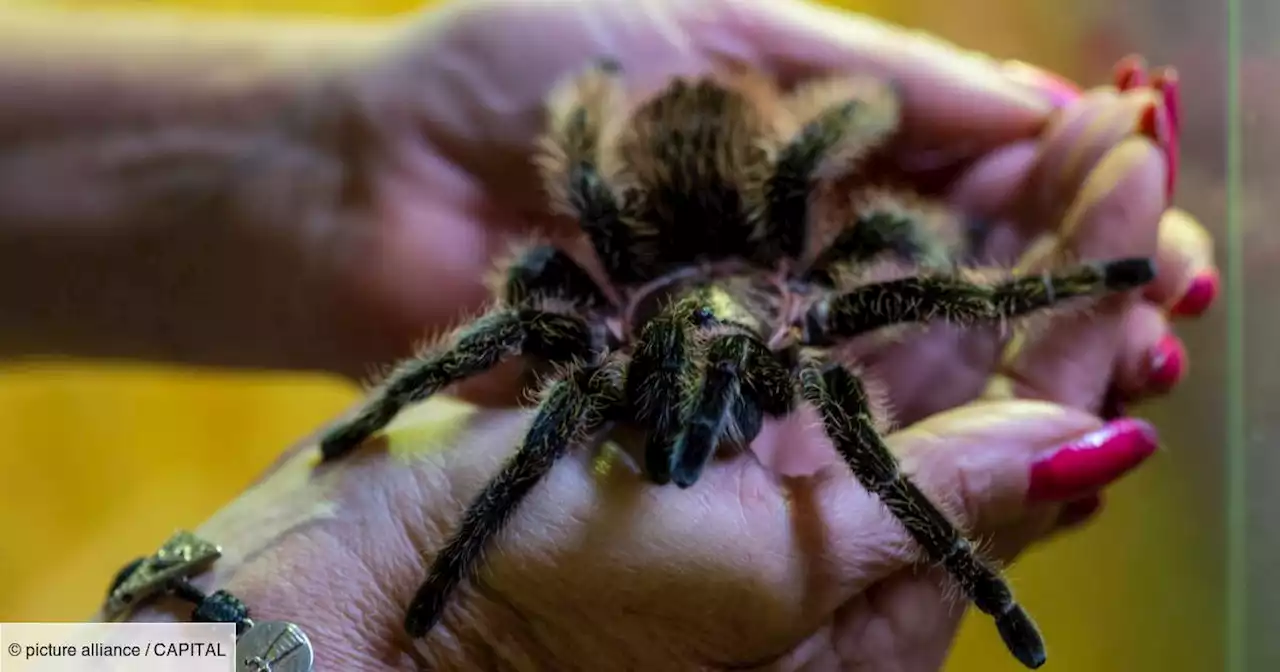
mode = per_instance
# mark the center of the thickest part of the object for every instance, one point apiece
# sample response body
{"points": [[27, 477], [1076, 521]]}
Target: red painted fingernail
{"points": [[1079, 511], [1130, 72], [1200, 294], [1059, 89], [1166, 82], [1154, 123], [1167, 365], [1094, 461]]}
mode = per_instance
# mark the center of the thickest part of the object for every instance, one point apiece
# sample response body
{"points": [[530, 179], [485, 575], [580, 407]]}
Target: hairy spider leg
{"points": [[663, 366], [740, 383], [538, 318], [841, 399], [578, 111], [581, 403], [927, 298], [841, 124], [873, 234]]}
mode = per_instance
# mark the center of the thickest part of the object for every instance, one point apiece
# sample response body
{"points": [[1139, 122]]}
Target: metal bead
{"points": [[183, 555], [274, 646]]}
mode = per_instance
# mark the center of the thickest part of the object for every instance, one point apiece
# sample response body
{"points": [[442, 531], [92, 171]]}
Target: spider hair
{"points": [[699, 202]]}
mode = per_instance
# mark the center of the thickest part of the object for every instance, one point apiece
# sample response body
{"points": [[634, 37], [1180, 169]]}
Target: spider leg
{"points": [[841, 120], [547, 272], [741, 382], [539, 318], [569, 165], [581, 403], [841, 399], [873, 234], [662, 365], [927, 298]]}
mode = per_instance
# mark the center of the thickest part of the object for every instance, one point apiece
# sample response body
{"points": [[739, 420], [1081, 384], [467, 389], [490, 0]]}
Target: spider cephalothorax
{"points": [[723, 303]]}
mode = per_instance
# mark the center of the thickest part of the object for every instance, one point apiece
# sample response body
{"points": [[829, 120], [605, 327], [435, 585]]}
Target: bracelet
{"points": [[269, 646]]}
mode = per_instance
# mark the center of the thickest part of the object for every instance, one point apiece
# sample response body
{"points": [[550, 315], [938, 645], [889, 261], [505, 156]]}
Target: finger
{"points": [[1115, 215], [988, 192], [992, 184], [1060, 90], [1033, 182], [1073, 148], [800, 39], [1152, 360], [1187, 282], [1073, 144], [1005, 468], [1078, 512]]}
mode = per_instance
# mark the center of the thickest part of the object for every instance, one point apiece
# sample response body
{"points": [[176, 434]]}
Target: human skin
{"points": [[775, 560], [341, 192], [321, 197]]}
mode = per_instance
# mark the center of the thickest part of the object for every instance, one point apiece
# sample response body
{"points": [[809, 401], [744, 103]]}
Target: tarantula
{"points": [[699, 203]]}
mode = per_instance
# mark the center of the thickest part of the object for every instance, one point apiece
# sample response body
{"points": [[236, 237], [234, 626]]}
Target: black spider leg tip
{"points": [[1022, 637], [841, 399], [742, 382], [582, 402], [663, 362], [1131, 273], [954, 299]]}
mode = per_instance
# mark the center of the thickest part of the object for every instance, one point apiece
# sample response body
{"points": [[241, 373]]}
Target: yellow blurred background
{"points": [[98, 463]]}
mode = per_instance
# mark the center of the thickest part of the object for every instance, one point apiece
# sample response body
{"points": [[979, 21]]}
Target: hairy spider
{"points": [[699, 203]]}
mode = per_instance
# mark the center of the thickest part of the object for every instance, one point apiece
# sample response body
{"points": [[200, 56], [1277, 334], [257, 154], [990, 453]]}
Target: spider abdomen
{"points": [[694, 162]]}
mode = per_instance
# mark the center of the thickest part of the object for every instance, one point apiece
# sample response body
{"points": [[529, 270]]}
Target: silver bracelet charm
{"points": [[269, 646]]}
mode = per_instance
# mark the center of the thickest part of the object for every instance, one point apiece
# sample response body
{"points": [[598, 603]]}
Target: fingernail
{"points": [[1096, 460], [1166, 82], [1080, 511], [1200, 294], [1130, 72], [1167, 364], [1059, 89], [1154, 123]]}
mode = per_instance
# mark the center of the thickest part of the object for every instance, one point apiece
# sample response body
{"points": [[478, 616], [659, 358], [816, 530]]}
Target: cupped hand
{"points": [[777, 559], [448, 111]]}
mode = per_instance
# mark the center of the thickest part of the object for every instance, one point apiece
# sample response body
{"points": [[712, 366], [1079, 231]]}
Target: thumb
{"points": [[1001, 471]]}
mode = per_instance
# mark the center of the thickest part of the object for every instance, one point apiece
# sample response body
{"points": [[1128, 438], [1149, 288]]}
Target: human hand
{"points": [[446, 115], [599, 566], [600, 571], [449, 115]]}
